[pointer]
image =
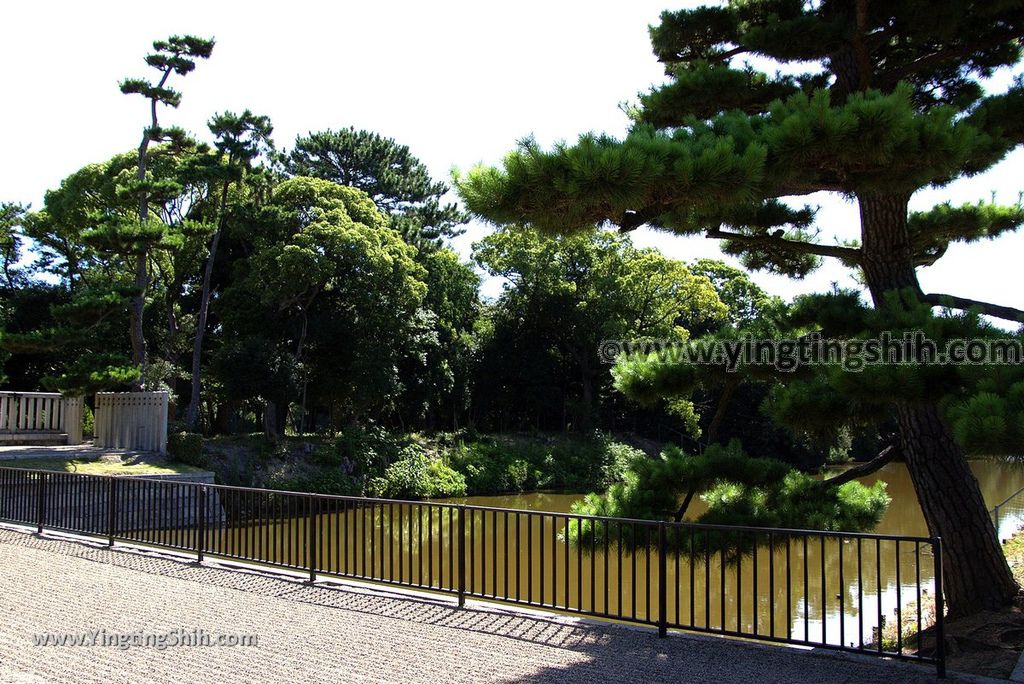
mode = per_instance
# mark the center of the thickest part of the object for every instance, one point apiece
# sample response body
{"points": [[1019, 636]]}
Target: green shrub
{"points": [[367, 450], [617, 460], [497, 465], [490, 467], [187, 448], [325, 481], [417, 476], [88, 421]]}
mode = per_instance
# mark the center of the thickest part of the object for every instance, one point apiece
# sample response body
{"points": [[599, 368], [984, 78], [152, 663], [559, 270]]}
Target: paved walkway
{"points": [[338, 632]]}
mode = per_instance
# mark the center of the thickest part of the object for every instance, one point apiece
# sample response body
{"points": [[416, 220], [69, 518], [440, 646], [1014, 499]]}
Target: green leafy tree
{"points": [[327, 296], [435, 372], [568, 294], [749, 305], [728, 401], [71, 236], [869, 100], [397, 181]]}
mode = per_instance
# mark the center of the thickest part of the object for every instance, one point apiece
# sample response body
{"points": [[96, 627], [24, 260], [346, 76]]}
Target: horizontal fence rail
{"points": [[1008, 514], [867, 593]]}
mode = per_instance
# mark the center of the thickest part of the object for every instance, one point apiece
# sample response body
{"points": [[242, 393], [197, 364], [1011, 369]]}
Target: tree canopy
{"points": [[398, 182]]}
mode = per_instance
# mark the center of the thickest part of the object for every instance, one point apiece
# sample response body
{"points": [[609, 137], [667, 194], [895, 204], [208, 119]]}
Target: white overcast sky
{"points": [[458, 82]]}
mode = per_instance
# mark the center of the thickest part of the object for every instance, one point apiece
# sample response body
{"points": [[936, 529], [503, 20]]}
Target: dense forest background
{"points": [[335, 300]]}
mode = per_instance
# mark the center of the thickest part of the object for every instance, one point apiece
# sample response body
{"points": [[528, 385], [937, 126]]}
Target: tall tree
{"points": [[397, 181], [176, 55], [435, 372], [239, 139], [73, 239], [570, 293], [325, 299], [870, 100]]}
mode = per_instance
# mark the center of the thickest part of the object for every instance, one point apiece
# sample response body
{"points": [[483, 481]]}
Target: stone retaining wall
{"points": [[82, 503]]}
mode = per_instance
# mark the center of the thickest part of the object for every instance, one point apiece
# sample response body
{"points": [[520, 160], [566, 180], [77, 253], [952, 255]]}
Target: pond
{"points": [[997, 479], [845, 608]]}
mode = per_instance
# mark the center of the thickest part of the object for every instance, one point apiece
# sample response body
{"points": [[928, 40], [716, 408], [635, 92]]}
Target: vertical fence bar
{"points": [[940, 609], [111, 510], [311, 554], [41, 503], [200, 523], [662, 581], [462, 556]]}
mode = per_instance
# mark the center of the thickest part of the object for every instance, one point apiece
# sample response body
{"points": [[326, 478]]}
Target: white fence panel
{"points": [[40, 414], [132, 420]]}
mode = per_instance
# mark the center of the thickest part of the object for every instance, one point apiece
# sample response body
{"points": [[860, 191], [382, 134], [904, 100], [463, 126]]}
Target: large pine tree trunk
{"points": [[975, 572]]}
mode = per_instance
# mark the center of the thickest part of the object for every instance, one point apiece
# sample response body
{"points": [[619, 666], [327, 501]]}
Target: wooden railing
{"points": [[31, 414]]}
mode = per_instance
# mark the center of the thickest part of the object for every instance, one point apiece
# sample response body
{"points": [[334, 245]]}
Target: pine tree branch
{"points": [[884, 457], [946, 55], [848, 254], [728, 54], [631, 220], [1007, 313], [863, 57]]}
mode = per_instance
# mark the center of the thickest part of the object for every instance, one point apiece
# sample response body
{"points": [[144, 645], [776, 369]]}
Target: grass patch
{"points": [[132, 466]]}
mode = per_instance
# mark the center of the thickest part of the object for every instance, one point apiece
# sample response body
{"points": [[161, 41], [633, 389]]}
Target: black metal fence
{"points": [[865, 593]]}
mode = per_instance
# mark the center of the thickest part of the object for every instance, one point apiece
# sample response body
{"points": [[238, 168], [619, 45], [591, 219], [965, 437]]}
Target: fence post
{"points": [[41, 503], [200, 523], [662, 581], [111, 510], [462, 556], [940, 610], [312, 542]]}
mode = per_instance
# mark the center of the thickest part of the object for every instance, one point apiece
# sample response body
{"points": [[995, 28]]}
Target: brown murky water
{"points": [[815, 588]]}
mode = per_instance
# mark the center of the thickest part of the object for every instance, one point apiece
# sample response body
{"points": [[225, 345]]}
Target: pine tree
{"points": [[870, 100], [239, 139], [176, 55], [388, 172]]}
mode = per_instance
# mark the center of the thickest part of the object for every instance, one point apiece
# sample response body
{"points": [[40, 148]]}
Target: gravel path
{"points": [[338, 632]]}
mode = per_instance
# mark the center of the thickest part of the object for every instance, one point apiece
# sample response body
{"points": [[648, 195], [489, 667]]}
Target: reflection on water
{"points": [[822, 590]]}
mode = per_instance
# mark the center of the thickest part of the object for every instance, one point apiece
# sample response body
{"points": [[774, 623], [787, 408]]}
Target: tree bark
{"points": [[192, 414], [678, 517], [270, 420], [731, 383], [135, 311], [976, 575]]}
